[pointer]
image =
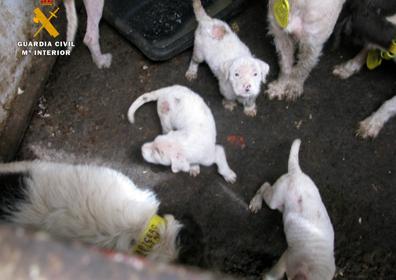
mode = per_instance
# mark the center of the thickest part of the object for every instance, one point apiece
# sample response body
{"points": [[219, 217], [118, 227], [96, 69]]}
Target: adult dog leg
{"points": [[91, 39], [222, 165], [352, 66], [372, 125], [285, 49]]}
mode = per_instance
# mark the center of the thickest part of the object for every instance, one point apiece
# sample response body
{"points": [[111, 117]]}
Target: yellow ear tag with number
{"points": [[281, 11], [373, 59]]}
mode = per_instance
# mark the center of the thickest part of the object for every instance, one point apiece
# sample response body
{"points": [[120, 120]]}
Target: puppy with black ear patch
{"points": [[240, 74], [308, 229], [96, 205], [372, 25], [189, 138]]}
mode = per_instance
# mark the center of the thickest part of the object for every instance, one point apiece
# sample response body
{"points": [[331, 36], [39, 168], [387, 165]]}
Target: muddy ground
{"points": [[83, 112]]}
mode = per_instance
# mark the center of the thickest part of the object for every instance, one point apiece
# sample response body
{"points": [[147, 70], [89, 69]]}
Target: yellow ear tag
{"points": [[150, 236], [373, 59], [392, 48], [281, 11]]}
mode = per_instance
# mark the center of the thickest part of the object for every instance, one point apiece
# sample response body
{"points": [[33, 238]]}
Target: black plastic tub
{"points": [[162, 29]]}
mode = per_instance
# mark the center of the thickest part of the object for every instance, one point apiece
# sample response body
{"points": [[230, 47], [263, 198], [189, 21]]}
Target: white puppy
{"points": [[189, 129], [306, 26], [94, 14], [309, 232], [96, 205], [240, 74]]}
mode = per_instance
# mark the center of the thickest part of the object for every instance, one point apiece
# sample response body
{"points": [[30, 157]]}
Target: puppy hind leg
{"points": [[352, 66], [257, 201], [222, 165], [194, 170], [91, 39], [285, 48], [371, 126], [278, 270], [192, 71]]}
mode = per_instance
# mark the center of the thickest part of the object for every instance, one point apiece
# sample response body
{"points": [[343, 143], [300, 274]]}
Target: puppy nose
{"points": [[247, 87]]}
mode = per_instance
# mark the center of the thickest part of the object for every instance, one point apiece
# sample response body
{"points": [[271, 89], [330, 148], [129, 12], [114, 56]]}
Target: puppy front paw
{"points": [[256, 203], [250, 111], [194, 170], [230, 177], [269, 277], [191, 75], [370, 127], [103, 61], [229, 104]]}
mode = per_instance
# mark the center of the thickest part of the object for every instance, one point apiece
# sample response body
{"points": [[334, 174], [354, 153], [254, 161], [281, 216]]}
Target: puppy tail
{"points": [[200, 12], [144, 98], [72, 21], [294, 165]]}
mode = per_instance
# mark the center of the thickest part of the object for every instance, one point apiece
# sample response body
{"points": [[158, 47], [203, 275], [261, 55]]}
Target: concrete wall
{"points": [[16, 24]]}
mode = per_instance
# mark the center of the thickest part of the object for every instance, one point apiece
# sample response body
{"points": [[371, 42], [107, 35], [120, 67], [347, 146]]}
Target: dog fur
{"points": [[372, 25], [308, 229], [189, 132], [93, 204], [311, 22], [94, 10], [240, 74]]}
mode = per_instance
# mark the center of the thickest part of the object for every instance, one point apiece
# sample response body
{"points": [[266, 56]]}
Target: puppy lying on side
{"points": [[309, 232], [96, 205], [94, 10], [189, 132], [240, 74], [304, 25], [372, 25]]}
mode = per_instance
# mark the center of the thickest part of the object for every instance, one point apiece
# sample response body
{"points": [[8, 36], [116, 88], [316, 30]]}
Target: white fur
{"points": [[96, 205], [189, 132], [310, 25], [240, 74], [308, 229], [91, 40]]}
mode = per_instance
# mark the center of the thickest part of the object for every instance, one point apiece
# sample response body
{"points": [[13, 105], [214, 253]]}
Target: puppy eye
{"points": [[236, 74], [255, 74]]}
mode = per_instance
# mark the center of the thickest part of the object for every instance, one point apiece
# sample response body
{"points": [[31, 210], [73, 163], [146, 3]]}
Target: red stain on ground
{"points": [[237, 140]]}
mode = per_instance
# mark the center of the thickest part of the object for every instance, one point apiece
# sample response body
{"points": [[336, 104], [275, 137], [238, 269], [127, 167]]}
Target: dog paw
{"points": [[293, 90], [103, 61], [269, 277], [345, 70], [191, 75], [256, 204], [275, 90], [230, 177], [369, 128], [229, 104], [194, 170], [250, 111]]}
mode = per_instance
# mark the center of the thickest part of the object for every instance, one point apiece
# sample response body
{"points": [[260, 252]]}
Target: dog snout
{"points": [[247, 87]]}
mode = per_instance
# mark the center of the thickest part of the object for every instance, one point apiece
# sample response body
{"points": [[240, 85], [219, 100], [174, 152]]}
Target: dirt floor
{"points": [[83, 112]]}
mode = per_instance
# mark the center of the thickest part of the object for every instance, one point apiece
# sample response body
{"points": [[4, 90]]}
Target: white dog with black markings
{"points": [[240, 74], [308, 229], [93, 204], [304, 25], [189, 132]]}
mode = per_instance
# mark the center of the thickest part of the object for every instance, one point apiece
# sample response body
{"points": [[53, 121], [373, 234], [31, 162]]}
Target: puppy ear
{"points": [[225, 68], [264, 67], [179, 163]]}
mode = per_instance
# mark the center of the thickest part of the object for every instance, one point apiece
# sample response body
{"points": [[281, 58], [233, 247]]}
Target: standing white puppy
{"points": [[308, 229], [304, 25], [189, 129], [96, 205], [240, 74]]}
